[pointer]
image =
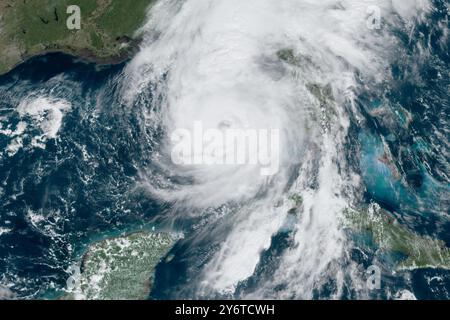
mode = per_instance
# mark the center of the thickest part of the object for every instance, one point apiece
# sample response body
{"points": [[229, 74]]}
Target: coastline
{"points": [[110, 31], [85, 55], [119, 266]]}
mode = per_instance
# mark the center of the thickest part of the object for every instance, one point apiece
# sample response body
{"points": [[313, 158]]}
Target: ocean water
{"points": [[84, 150]]}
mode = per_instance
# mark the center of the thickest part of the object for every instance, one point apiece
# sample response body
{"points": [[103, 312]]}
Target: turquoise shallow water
{"points": [[82, 186]]}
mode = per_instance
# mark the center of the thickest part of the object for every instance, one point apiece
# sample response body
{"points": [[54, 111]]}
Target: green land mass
{"points": [[386, 233], [415, 251], [389, 235], [120, 268], [33, 27]]}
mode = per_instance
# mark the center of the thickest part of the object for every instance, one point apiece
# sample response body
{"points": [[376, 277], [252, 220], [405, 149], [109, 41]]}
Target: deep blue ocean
{"points": [[81, 186]]}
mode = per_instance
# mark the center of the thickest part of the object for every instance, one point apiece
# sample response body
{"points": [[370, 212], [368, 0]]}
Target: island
{"points": [[417, 251], [388, 235], [119, 268], [108, 31]]}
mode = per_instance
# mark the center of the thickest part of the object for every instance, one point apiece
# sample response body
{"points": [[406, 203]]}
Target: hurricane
{"points": [[357, 92]]}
